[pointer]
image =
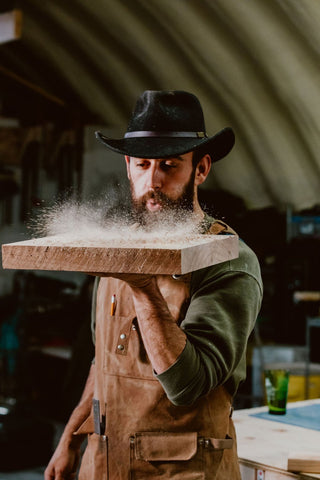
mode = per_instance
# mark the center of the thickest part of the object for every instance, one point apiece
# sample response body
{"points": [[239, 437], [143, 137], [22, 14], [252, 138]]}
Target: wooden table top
{"points": [[268, 440]]}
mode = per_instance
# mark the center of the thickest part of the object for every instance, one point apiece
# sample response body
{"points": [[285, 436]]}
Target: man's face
{"points": [[160, 186]]}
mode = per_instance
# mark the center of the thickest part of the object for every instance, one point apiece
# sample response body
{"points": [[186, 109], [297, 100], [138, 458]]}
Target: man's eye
{"points": [[168, 165]]}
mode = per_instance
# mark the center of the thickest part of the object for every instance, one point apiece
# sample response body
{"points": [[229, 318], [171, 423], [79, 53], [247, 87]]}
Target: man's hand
{"points": [[63, 464], [134, 280], [65, 460]]}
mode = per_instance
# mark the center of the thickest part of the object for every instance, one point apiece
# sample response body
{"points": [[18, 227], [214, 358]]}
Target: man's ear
{"points": [[127, 158], [202, 169]]}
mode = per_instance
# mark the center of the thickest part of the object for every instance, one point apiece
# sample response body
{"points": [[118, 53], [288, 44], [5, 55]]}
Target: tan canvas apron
{"points": [[145, 435]]}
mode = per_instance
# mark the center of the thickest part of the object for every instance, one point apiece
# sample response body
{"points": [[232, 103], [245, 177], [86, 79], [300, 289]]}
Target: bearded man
{"points": [[171, 354]]}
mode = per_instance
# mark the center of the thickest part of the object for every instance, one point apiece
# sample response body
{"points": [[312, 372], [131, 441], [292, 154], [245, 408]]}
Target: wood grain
{"points": [[304, 462], [51, 253]]}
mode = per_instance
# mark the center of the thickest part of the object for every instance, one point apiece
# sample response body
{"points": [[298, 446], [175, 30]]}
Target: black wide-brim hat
{"points": [[169, 123]]}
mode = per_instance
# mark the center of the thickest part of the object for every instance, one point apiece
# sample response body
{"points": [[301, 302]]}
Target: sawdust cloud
{"points": [[96, 220]]}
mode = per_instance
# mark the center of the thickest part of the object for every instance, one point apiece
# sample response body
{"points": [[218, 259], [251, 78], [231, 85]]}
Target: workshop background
{"points": [[68, 68]]}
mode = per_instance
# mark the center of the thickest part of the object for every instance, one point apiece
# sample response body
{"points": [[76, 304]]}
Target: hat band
{"points": [[147, 133]]}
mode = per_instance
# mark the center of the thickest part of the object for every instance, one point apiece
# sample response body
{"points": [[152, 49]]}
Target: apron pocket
{"points": [[166, 455]]}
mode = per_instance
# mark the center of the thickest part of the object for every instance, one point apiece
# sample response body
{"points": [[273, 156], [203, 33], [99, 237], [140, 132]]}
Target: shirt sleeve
{"points": [[225, 301]]}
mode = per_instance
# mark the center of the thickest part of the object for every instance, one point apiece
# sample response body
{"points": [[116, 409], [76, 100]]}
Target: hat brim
{"points": [[217, 146]]}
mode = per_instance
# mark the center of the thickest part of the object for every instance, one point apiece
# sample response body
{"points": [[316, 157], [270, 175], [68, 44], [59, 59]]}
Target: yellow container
{"points": [[297, 387]]}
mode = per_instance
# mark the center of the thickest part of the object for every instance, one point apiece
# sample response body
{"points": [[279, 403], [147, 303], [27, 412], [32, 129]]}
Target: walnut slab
{"points": [[60, 254]]}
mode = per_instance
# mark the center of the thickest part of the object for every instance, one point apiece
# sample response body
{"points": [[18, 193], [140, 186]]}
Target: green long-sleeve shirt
{"points": [[225, 301]]}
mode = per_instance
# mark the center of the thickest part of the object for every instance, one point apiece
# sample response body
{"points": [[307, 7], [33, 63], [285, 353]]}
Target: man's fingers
{"points": [[135, 280], [65, 476]]}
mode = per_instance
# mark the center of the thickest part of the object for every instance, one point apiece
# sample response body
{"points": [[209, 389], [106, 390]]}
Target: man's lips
{"points": [[153, 205]]}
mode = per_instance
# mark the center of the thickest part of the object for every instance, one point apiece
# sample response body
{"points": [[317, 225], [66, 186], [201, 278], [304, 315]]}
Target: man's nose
{"points": [[154, 177]]}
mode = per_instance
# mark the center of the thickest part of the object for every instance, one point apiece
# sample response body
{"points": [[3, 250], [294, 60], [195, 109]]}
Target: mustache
{"points": [[157, 196]]}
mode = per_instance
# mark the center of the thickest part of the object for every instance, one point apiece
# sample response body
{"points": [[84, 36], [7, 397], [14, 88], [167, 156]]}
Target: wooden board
{"points": [[61, 254], [304, 461], [266, 445]]}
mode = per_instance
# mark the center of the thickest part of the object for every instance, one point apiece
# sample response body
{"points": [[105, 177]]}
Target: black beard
{"points": [[172, 210]]}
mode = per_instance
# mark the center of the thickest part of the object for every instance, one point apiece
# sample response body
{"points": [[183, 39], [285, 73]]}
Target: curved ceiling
{"points": [[254, 64]]}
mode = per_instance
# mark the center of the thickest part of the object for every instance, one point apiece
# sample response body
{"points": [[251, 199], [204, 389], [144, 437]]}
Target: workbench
{"points": [[265, 441]]}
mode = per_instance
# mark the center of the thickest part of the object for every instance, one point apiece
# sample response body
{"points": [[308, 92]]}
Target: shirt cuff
{"points": [[181, 378]]}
